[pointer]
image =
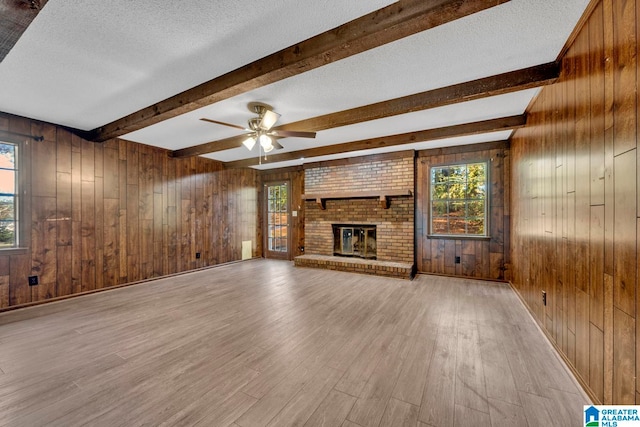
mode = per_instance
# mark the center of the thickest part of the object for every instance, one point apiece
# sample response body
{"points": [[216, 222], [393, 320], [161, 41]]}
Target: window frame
{"points": [[487, 202], [23, 239]]}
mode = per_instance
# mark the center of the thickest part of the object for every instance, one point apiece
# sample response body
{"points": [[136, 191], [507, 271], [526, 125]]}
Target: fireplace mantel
{"points": [[381, 195]]}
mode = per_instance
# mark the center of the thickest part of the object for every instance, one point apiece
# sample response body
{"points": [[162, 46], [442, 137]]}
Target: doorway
{"points": [[277, 236]]}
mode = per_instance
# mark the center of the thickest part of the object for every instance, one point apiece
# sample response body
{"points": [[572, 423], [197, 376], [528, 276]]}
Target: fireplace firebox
{"points": [[354, 240]]}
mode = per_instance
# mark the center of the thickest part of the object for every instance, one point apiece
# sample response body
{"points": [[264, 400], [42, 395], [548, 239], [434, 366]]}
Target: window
{"points": [[8, 195], [459, 199]]}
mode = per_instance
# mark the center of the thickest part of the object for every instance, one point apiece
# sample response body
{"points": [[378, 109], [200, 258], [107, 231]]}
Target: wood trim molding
{"points": [[469, 148], [485, 126], [499, 84], [394, 22], [289, 169]]}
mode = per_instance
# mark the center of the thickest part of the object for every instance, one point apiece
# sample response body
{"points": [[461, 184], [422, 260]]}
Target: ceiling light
{"points": [[266, 142], [269, 118], [249, 142]]}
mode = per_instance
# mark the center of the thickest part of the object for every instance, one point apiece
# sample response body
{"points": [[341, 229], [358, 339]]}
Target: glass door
{"points": [[277, 224]]}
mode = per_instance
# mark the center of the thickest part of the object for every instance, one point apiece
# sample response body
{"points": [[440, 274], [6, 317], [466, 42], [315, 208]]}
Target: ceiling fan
{"points": [[260, 128]]}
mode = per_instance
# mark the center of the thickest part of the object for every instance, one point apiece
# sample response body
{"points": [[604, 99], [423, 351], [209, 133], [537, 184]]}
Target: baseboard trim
{"points": [[114, 287], [589, 394], [456, 276]]}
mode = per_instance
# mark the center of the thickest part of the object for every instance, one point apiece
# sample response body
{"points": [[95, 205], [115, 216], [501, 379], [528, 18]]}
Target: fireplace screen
{"points": [[354, 240]]}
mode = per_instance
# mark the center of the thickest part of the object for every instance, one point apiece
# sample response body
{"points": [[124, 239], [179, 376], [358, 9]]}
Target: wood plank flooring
{"points": [[262, 343]]}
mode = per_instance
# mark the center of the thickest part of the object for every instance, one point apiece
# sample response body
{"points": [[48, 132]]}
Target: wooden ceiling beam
{"points": [[210, 147], [16, 15], [466, 129], [499, 84], [394, 22]]}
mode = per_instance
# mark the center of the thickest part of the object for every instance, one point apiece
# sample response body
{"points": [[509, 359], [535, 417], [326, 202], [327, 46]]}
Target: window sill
{"points": [[457, 237], [13, 251]]}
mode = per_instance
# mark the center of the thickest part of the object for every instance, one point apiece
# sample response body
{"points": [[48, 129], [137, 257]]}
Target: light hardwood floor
{"points": [[262, 343]]}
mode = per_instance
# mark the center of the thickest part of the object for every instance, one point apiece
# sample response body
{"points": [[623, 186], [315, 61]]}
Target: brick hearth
{"points": [[402, 270]]}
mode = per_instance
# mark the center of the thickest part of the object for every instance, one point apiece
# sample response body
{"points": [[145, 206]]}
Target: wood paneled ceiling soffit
{"points": [[394, 22]]}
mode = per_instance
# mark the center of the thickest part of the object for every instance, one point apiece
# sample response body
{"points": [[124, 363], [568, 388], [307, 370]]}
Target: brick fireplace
{"points": [[366, 191]]}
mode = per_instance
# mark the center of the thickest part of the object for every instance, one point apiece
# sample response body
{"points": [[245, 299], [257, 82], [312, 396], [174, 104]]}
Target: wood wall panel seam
{"points": [[97, 215], [592, 260], [486, 259]]}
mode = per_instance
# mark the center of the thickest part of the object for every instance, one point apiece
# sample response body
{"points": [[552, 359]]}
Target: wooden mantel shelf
{"points": [[381, 195]]}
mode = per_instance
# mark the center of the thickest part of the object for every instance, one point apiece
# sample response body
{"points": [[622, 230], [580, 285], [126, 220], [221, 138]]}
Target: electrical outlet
{"points": [[197, 255], [544, 298], [33, 280], [457, 260]]}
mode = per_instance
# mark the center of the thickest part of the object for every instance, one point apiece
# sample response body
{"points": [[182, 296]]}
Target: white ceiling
{"points": [[86, 63]]}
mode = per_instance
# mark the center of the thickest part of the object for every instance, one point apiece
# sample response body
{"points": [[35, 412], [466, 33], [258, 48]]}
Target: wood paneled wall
{"points": [[575, 205], [119, 212], [295, 175], [481, 258]]}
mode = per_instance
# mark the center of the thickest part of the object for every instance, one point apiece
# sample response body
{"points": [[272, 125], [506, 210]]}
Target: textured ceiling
{"points": [[87, 63], [97, 61]]}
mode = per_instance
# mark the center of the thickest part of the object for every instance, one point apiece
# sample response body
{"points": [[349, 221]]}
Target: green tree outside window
{"points": [[459, 199]]}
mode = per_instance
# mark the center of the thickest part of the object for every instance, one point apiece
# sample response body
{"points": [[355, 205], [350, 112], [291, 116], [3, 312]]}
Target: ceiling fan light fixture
{"points": [[249, 143], [268, 119], [259, 130], [266, 142]]}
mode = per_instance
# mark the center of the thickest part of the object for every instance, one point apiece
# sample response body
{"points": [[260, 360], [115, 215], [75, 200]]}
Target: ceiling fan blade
{"points": [[293, 133], [223, 123], [277, 145]]}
